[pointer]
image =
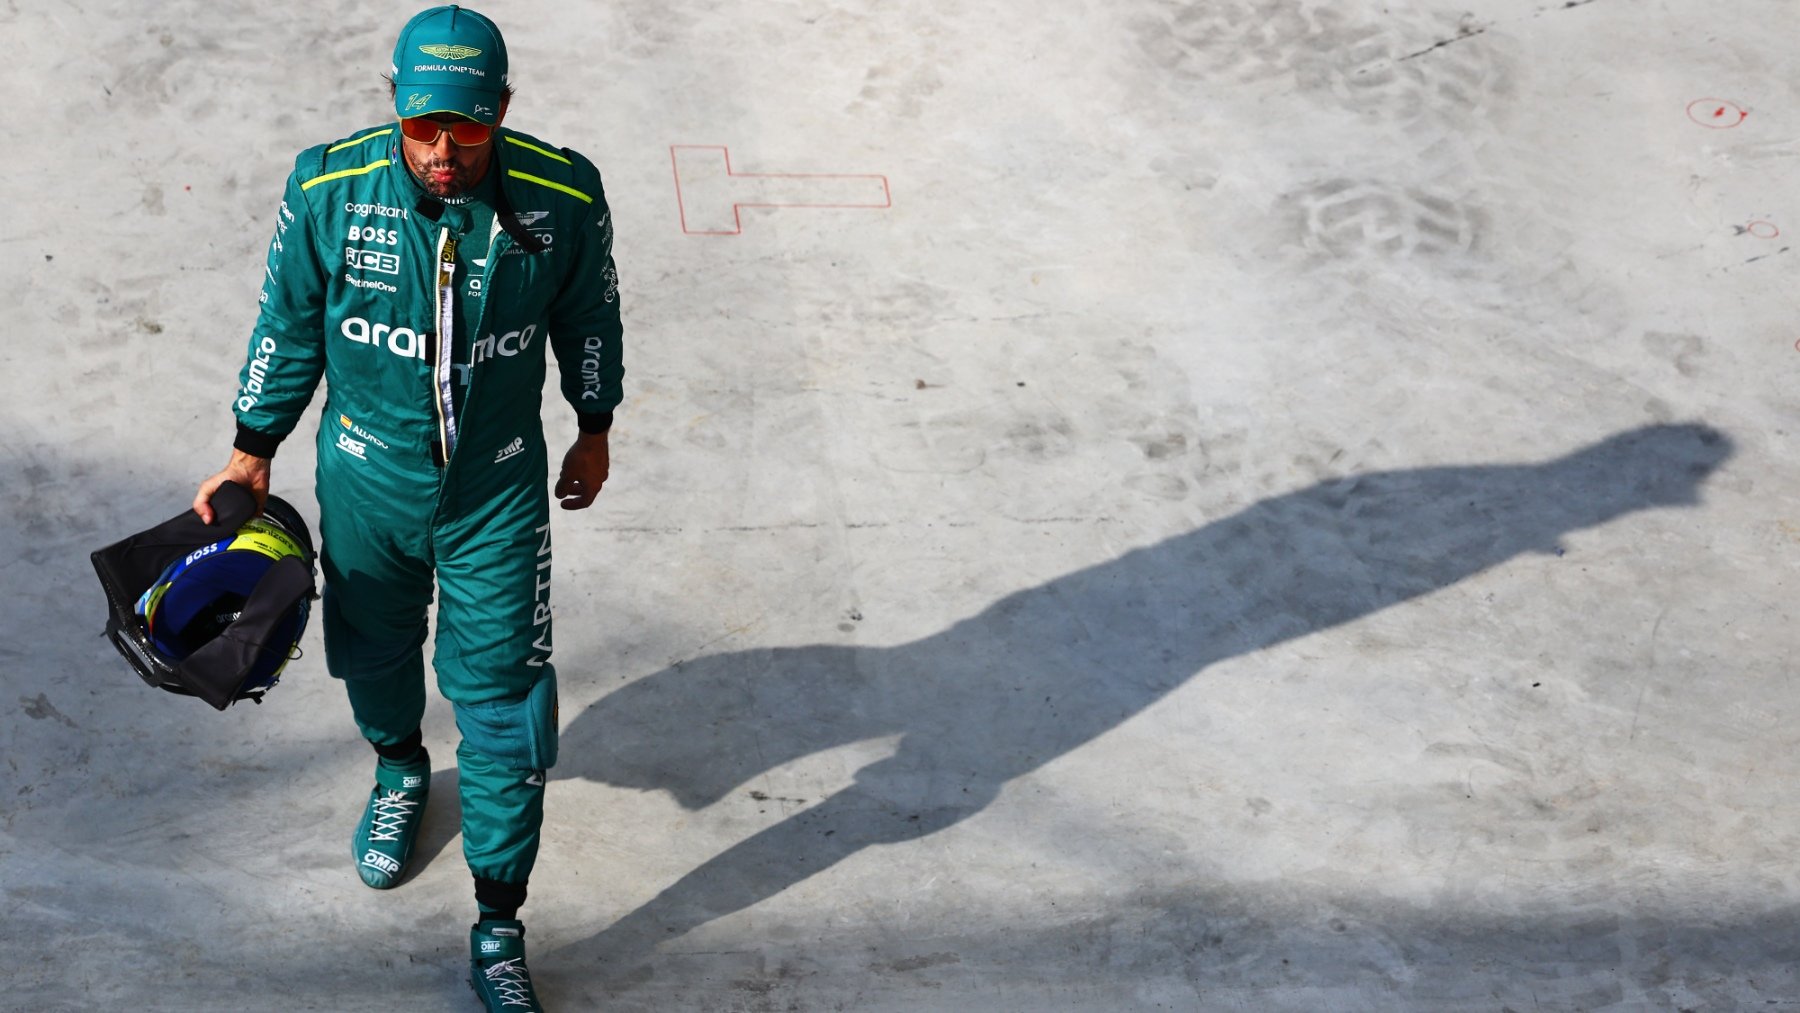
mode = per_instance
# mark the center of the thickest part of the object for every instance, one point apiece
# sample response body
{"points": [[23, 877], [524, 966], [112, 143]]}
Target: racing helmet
{"points": [[212, 610], [201, 594]]}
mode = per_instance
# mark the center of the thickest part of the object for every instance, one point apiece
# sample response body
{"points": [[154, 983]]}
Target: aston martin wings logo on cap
{"points": [[444, 52]]}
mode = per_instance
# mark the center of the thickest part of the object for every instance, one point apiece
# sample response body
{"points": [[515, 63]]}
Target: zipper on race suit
{"points": [[497, 246], [444, 350]]}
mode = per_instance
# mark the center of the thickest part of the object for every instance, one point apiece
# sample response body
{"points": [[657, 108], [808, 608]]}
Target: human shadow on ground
{"points": [[1047, 669]]}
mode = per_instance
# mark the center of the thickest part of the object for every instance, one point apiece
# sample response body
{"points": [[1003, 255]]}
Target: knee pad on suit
{"points": [[519, 731]]}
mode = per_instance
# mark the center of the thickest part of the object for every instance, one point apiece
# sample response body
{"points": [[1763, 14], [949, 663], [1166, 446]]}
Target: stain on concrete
{"points": [[41, 709], [919, 963]]}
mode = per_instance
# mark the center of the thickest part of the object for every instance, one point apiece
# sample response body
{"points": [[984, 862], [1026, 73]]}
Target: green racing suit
{"points": [[428, 320]]}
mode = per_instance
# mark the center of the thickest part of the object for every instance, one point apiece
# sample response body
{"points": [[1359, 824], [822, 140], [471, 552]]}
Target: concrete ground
{"points": [[1244, 504]]}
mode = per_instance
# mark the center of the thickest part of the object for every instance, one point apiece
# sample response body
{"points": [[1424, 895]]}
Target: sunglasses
{"points": [[464, 133]]}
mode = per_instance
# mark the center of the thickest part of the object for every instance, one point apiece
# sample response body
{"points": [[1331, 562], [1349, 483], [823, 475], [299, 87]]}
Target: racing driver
{"points": [[421, 267]]}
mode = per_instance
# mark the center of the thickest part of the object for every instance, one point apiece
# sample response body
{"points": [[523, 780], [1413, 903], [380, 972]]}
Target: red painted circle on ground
{"points": [[1763, 230], [1716, 113]]}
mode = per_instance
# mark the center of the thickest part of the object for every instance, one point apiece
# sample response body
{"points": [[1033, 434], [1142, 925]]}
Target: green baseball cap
{"points": [[449, 60]]}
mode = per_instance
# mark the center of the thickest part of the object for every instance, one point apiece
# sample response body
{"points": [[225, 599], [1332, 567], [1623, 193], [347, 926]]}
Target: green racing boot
{"points": [[390, 823], [497, 970]]}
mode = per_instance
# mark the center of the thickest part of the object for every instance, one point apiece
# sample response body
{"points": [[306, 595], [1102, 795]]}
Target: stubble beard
{"points": [[461, 181]]}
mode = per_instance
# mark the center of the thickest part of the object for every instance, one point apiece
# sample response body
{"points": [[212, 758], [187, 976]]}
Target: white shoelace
{"points": [[391, 811], [511, 982]]}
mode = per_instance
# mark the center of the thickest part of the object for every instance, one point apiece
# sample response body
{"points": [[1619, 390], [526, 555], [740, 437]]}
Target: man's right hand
{"points": [[250, 472]]}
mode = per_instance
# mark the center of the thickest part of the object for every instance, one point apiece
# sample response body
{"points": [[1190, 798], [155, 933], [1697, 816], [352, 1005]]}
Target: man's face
{"points": [[443, 167]]}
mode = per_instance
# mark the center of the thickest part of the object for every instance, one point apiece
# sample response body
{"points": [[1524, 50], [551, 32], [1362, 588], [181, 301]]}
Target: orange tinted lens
{"points": [[466, 133], [420, 129], [463, 132]]}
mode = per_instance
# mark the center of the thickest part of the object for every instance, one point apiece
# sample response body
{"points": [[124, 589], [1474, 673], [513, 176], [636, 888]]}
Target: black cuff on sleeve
{"points": [[595, 422], [256, 444]]}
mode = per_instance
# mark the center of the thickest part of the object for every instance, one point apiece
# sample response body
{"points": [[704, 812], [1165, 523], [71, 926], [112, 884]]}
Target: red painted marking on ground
{"points": [[710, 194], [1767, 230], [1724, 114]]}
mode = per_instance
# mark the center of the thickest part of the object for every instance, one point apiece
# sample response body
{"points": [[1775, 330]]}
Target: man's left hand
{"points": [[584, 471]]}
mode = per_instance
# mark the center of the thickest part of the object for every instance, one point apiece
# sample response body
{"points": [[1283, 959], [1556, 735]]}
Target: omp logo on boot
{"points": [[513, 449], [402, 341], [490, 946], [376, 860], [443, 52], [412, 781]]}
